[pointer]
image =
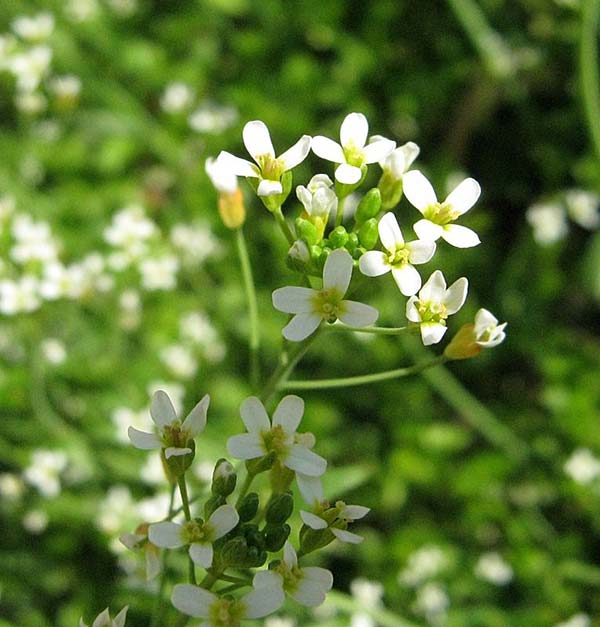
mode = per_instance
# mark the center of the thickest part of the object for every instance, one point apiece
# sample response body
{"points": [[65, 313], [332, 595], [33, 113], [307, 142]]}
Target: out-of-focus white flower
{"points": [[177, 97], [179, 360], [30, 67], [280, 621], [131, 309], [351, 154], [155, 507], [33, 240], [21, 296], [60, 281], [35, 521], [117, 511], [81, 10], [53, 350], [7, 207], [123, 8], [36, 28], [104, 620], [124, 417], [318, 198], [577, 620], [130, 231], [31, 102], [152, 471], [493, 568], [159, 273], [44, 471], [423, 564], [212, 118], [11, 486], [582, 207], [583, 467], [67, 87], [196, 241], [432, 602], [548, 222], [488, 333], [368, 595]]}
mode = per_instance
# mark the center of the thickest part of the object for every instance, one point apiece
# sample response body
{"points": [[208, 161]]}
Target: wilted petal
{"points": [[297, 153], [390, 233], [143, 440], [166, 534], [289, 555], [460, 236], [354, 130], [254, 415], [239, 167], [223, 179], [484, 319], [327, 149], [161, 409], [262, 601], [347, 536], [267, 187], [289, 413], [196, 419], [428, 231], [175, 451], [257, 139], [201, 554], [301, 459], [293, 299], [378, 150], [153, 565], [312, 520], [223, 520], [192, 600], [301, 326], [435, 288], [337, 271], [407, 279], [418, 190], [432, 332], [246, 446], [464, 196], [421, 251], [348, 174], [456, 295], [374, 263], [357, 314]]}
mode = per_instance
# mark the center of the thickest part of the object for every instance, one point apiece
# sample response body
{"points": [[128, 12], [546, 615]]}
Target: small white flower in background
{"points": [[280, 621], [583, 466], [179, 360], [172, 435], [204, 471], [432, 602], [81, 10], [123, 8], [549, 223], [21, 296], [439, 216], [31, 103], [318, 198], [196, 241], [104, 620], [367, 594], [582, 207], [352, 153], [67, 87], [159, 273], [11, 486], [198, 535], [311, 306], [425, 563], [152, 472], [130, 305], [280, 436], [130, 230], [488, 332], [155, 507], [44, 471], [53, 350], [124, 417], [399, 258], [177, 97], [117, 511], [200, 603], [308, 586], [35, 521], [33, 240], [222, 178], [212, 118], [30, 67], [577, 620], [175, 391], [400, 159], [492, 567], [59, 281], [36, 28], [434, 304], [269, 169], [7, 207], [196, 327]]}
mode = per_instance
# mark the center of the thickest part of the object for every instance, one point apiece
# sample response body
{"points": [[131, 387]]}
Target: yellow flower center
{"points": [[270, 168], [433, 312], [326, 303], [440, 213]]}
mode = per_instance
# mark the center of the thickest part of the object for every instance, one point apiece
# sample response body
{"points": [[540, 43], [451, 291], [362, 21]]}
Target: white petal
{"points": [[390, 233], [223, 520], [310, 488], [313, 587], [289, 555], [297, 153], [305, 197], [456, 295], [337, 271], [348, 174], [435, 288], [354, 130], [407, 279], [267, 187], [418, 190], [153, 565], [196, 419], [412, 312], [257, 139], [166, 534], [143, 440], [192, 600], [201, 554], [301, 326], [303, 460], [102, 619], [378, 150], [176, 451], [289, 413], [421, 251], [432, 332], [354, 512], [428, 231], [119, 619], [460, 236], [327, 149], [239, 167], [374, 263], [254, 415], [464, 196], [320, 576], [312, 520], [293, 299], [245, 446], [161, 409], [484, 319], [410, 151], [223, 179], [347, 536], [263, 601], [357, 314], [267, 579]]}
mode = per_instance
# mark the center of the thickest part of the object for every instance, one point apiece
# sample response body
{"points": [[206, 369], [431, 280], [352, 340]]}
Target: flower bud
{"points": [[391, 189], [279, 509], [177, 465], [224, 478], [369, 206], [255, 557], [232, 209], [273, 203], [313, 539], [338, 237], [463, 344], [369, 233], [299, 257], [307, 231], [275, 536], [234, 552], [214, 502], [248, 507]]}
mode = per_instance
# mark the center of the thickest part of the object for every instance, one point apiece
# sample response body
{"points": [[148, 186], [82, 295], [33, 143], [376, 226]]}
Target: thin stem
{"points": [[254, 334], [588, 68], [344, 382], [340, 326], [209, 580], [233, 587], [245, 487], [188, 516], [284, 226], [339, 216], [239, 580]]}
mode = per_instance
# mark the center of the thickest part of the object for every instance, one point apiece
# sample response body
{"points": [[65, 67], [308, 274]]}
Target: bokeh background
{"points": [[117, 278]]}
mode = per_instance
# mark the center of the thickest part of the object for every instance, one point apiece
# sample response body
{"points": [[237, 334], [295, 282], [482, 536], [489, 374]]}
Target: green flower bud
{"points": [[338, 237], [214, 502], [275, 536], [299, 257], [313, 539], [323, 256], [391, 189], [352, 242], [256, 557], [224, 478], [357, 253], [253, 536], [369, 233], [248, 507], [307, 231], [256, 466], [234, 552], [177, 465], [368, 207], [280, 508]]}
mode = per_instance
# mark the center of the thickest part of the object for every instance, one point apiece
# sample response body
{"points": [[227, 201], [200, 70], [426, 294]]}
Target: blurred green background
{"points": [[482, 477]]}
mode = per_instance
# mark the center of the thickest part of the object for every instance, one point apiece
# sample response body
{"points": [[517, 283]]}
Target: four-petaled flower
{"points": [[434, 304], [438, 216], [400, 159], [311, 306], [197, 534], [280, 437], [268, 168], [399, 258], [352, 153], [104, 620], [488, 332], [317, 198], [175, 437]]}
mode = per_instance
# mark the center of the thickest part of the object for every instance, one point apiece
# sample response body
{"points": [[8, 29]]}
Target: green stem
{"points": [[339, 216], [238, 580], [588, 68], [344, 382], [233, 587], [254, 335], [284, 226], [245, 487], [209, 580], [188, 516], [340, 326]]}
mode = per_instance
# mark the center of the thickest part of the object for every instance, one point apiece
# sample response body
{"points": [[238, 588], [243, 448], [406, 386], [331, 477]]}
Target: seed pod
{"points": [[368, 207]]}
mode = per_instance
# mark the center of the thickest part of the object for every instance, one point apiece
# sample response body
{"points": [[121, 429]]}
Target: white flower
{"points": [[30, 67], [583, 467], [438, 216], [426, 562], [269, 169], [212, 118], [35, 521], [582, 206], [179, 360], [53, 350], [280, 436], [307, 585], [175, 391], [44, 471], [399, 258], [173, 435], [11, 486], [432, 602], [19, 296], [492, 567], [488, 332], [223, 179], [317, 198], [311, 306], [67, 87], [577, 620], [548, 222], [159, 273], [129, 230], [139, 541], [400, 159], [352, 153], [434, 304], [201, 603], [34, 28], [176, 98], [116, 511], [195, 241], [104, 620], [197, 534]]}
